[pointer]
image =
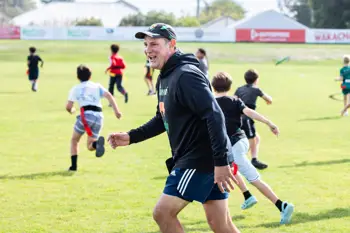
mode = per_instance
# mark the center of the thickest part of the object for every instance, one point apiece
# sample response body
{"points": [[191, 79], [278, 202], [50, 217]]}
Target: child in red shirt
{"points": [[116, 72]]}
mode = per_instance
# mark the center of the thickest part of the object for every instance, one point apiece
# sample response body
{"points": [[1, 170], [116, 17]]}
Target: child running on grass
{"points": [[88, 95]]}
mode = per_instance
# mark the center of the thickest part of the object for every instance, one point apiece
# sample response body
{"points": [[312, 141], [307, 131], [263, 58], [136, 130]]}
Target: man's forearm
{"points": [[151, 129]]}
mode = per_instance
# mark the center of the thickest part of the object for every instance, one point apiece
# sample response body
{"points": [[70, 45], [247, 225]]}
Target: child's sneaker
{"points": [[286, 213], [249, 203], [100, 146]]}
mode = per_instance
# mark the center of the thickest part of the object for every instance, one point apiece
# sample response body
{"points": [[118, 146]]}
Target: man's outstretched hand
{"points": [[118, 139]]}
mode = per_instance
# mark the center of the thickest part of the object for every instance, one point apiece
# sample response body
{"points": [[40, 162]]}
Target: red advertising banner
{"points": [[10, 32], [271, 35]]}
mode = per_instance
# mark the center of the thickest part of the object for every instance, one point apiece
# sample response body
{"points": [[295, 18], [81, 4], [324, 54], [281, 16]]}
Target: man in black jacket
{"points": [[188, 112]]}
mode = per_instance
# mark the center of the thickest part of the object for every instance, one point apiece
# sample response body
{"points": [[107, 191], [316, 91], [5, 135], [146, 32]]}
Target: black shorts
{"points": [[33, 74], [248, 126]]}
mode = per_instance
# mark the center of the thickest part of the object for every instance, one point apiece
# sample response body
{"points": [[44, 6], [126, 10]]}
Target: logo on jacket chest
{"points": [[163, 91]]}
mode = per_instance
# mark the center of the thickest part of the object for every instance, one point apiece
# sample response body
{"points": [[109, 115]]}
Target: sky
{"points": [[182, 7]]}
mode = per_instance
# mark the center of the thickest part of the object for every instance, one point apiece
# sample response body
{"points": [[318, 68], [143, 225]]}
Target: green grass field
{"points": [[309, 163]]}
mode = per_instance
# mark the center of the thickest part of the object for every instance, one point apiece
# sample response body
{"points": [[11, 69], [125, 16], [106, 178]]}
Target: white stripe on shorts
{"points": [[182, 178], [185, 179], [249, 128], [188, 180]]}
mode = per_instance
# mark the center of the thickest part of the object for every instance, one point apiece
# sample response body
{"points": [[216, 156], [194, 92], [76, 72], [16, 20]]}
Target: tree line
{"points": [[217, 8], [318, 13], [311, 13]]}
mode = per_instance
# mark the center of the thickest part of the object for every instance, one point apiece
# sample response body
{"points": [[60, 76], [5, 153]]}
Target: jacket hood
{"points": [[178, 59]]}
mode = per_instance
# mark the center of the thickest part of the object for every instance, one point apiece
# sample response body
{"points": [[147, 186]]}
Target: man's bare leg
{"points": [[166, 211], [218, 216]]}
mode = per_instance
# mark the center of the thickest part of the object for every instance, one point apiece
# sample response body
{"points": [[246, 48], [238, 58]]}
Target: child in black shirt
{"points": [[233, 109]]}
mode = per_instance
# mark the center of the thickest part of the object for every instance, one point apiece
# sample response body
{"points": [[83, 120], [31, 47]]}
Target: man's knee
{"points": [[213, 223], [157, 214], [218, 224], [218, 216], [168, 208], [162, 213]]}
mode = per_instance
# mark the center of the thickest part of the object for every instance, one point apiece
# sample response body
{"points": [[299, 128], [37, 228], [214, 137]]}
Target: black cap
{"points": [[158, 30]]}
